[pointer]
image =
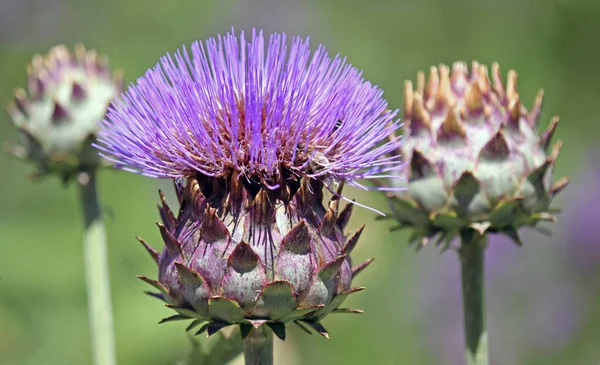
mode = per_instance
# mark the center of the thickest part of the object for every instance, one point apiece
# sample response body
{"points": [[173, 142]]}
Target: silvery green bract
{"points": [[67, 94], [474, 157]]}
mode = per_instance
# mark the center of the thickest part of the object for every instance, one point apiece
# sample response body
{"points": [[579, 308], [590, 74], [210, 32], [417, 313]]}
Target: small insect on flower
{"points": [[318, 163], [256, 132]]}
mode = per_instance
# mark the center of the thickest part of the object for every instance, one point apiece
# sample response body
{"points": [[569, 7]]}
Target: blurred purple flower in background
{"points": [[581, 220], [538, 295]]}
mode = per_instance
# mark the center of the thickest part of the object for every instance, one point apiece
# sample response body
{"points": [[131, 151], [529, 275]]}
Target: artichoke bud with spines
{"points": [[475, 159], [67, 94], [250, 256], [254, 242]]}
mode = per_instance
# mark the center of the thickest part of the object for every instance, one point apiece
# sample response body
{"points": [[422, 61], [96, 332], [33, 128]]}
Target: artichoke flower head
{"points": [[474, 157], [58, 116], [255, 137]]}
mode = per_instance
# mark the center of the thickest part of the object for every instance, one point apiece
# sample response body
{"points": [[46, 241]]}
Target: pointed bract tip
{"points": [[318, 328], [351, 244], [173, 246], [474, 97], [467, 175], [298, 239], [334, 204], [474, 69], [420, 166], [155, 295], [556, 150], [513, 234], [330, 270], [20, 100], [328, 220], [187, 275], [78, 93], [497, 80], [560, 185], [194, 324], [420, 120], [344, 217], [348, 310], [444, 95], [496, 148], [166, 214], [162, 197], [213, 230], [154, 283], [278, 329], [59, 113], [452, 128], [243, 259], [459, 68], [215, 327], [465, 189], [151, 251], [360, 267], [354, 290], [511, 84], [534, 116], [420, 82], [484, 80], [549, 133], [176, 317], [432, 83], [514, 111]]}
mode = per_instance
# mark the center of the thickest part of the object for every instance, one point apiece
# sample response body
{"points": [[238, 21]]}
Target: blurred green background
{"points": [[552, 44]]}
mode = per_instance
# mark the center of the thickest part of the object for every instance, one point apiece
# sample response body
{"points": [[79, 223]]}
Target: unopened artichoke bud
{"points": [[475, 159], [255, 141], [67, 95]]}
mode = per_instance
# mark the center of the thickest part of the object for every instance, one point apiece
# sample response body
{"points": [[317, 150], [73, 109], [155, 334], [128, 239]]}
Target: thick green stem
{"points": [[96, 275], [258, 347], [471, 258]]}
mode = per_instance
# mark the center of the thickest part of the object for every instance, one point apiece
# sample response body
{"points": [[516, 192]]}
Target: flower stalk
{"points": [[258, 347], [95, 260], [57, 116], [471, 255]]}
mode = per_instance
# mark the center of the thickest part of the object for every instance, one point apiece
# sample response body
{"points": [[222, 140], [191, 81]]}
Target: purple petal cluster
{"points": [[267, 111]]}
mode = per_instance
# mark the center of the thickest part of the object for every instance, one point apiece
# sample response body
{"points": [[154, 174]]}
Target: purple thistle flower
{"points": [[253, 134], [228, 105]]}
